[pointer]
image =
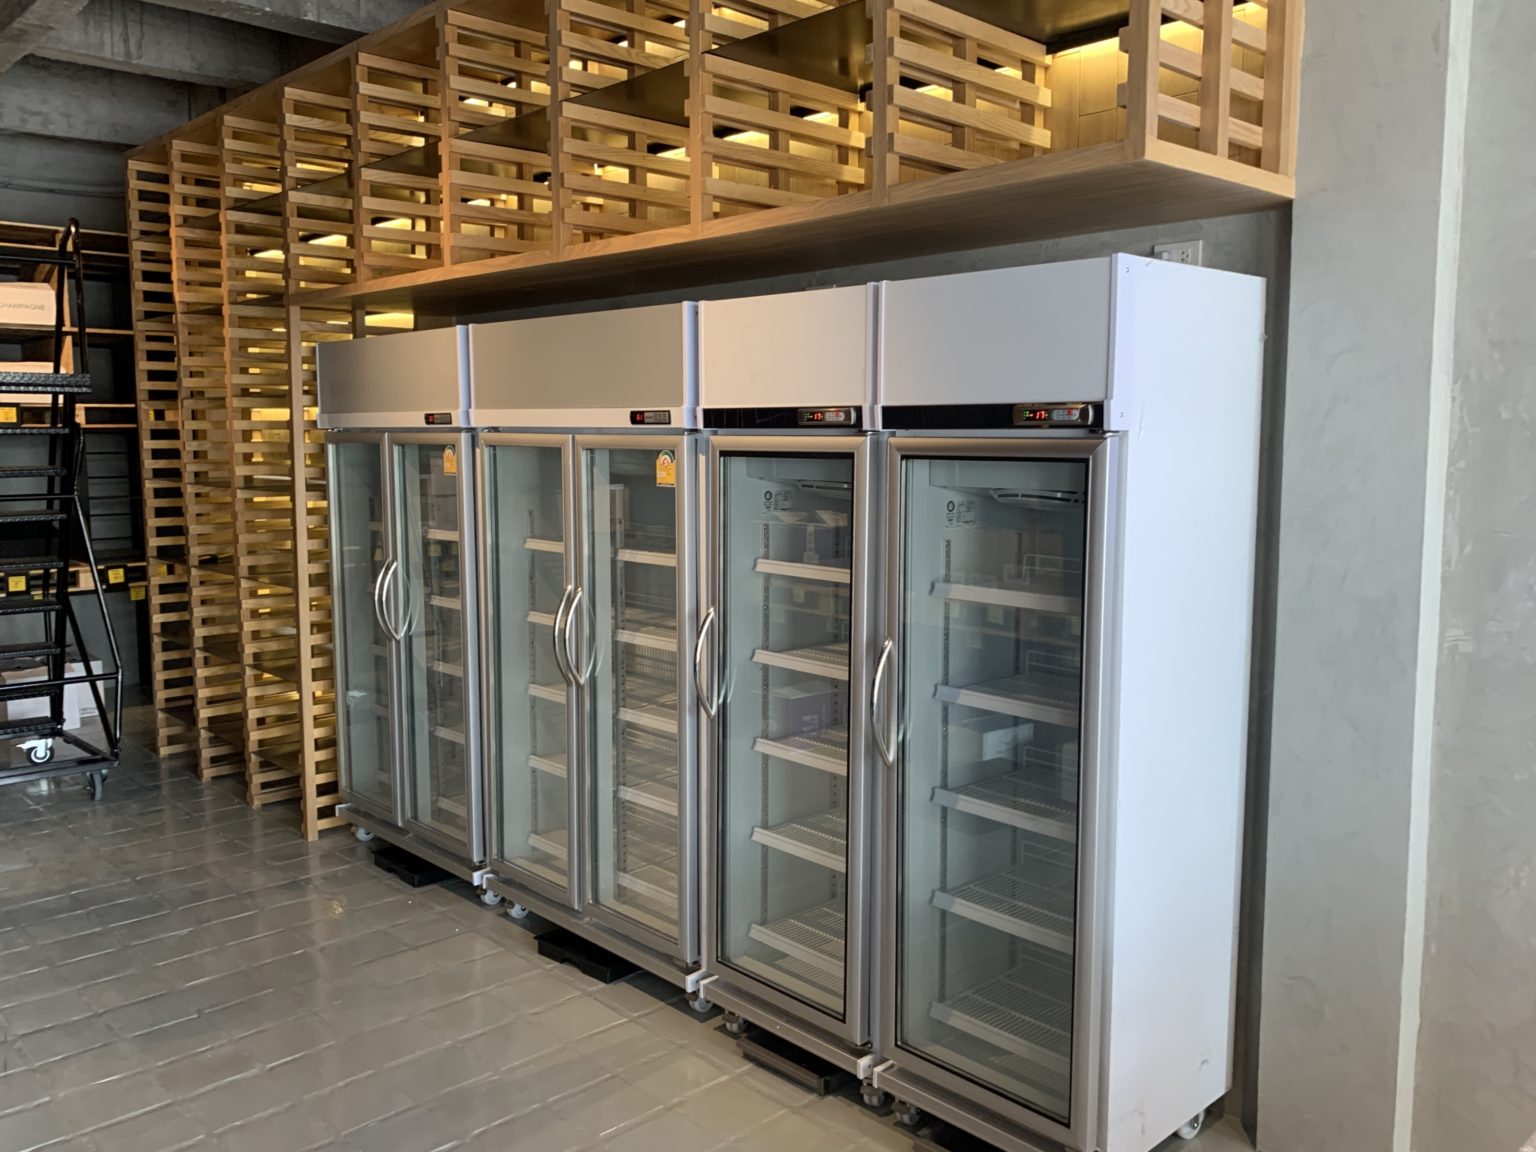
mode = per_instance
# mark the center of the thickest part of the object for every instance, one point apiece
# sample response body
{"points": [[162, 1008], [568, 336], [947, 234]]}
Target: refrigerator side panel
{"points": [[1185, 341]]}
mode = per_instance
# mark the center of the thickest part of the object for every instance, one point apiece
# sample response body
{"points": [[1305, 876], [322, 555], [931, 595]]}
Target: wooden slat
{"points": [[946, 111], [1216, 78]]}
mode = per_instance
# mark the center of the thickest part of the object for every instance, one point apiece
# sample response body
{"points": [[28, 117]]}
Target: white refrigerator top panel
{"points": [[409, 380], [628, 368], [800, 349], [1011, 336]]}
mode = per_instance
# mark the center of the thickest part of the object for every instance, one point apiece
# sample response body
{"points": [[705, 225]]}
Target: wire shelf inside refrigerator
{"points": [[647, 627], [648, 859], [1048, 699], [824, 573], [1018, 799], [825, 751], [1022, 902], [647, 771], [650, 704], [795, 976], [549, 693], [1005, 595], [1043, 1086], [550, 765], [1026, 1011], [549, 859], [536, 544], [829, 660], [816, 937], [821, 839]]}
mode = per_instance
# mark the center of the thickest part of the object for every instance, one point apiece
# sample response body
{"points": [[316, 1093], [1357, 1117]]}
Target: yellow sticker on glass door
{"points": [[666, 469], [450, 462]]}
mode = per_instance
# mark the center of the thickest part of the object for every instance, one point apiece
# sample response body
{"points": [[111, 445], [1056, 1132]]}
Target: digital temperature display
{"points": [[651, 416], [826, 417], [438, 419], [1053, 415]]}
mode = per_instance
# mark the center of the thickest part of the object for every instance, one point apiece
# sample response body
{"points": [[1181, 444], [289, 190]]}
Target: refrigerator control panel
{"points": [[827, 417], [1054, 415]]}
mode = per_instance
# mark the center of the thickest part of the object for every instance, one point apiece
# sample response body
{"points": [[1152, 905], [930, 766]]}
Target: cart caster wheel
{"points": [[40, 751], [908, 1115], [700, 1004], [490, 899], [735, 1025], [363, 835], [96, 784], [1192, 1129], [873, 1097], [517, 912]]}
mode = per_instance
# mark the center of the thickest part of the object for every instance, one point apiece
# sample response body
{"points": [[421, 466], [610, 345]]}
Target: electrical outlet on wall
{"points": [[1185, 252]]}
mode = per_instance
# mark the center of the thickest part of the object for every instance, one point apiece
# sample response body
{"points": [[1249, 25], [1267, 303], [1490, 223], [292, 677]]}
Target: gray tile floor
{"points": [[177, 971]]}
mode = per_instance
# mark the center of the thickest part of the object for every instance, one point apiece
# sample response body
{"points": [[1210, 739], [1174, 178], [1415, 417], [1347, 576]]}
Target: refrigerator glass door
{"points": [[628, 618], [990, 647], [363, 579], [528, 588], [435, 706], [786, 600]]}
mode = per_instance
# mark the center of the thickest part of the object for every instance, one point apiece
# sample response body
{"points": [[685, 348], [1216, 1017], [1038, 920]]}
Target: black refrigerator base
{"points": [[583, 955], [415, 871], [779, 1056]]}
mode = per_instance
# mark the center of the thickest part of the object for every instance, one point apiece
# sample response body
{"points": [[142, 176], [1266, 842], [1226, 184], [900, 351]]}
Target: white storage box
{"points": [[78, 701], [26, 303]]}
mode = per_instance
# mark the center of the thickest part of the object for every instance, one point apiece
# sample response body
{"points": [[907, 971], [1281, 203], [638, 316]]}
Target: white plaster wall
{"points": [[1359, 541], [1476, 1089]]}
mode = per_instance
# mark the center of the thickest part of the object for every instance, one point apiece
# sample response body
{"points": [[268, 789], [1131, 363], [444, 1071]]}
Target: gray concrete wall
{"points": [[1476, 1086]]}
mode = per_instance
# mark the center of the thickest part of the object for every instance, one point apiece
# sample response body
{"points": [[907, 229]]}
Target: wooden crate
{"points": [[959, 93], [725, 23], [319, 203], [496, 163], [1214, 78], [620, 174], [398, 112], [153, 302], [768, 140], [602, 42]]}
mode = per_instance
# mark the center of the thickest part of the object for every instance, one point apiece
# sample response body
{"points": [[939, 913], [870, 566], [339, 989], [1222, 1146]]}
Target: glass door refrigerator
{"points": [[1062, 696], [783, 659], [403, 531], [590, 500]]}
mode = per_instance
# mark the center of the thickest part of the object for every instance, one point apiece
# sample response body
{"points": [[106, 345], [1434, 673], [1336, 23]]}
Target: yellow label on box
{"points": [[162, 569], [116, 575], [7, 415], [136, 592], [450, 462], [16, 584], [666, 469]]}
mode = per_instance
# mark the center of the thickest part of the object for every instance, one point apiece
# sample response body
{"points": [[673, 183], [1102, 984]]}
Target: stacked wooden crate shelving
{"points": [[197, 258], [160, 456], [490, 153]]}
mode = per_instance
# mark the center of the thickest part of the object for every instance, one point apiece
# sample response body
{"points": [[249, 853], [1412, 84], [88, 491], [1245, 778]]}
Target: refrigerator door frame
{"points": [[474, 764], [855, 1027], [507, 870], [685, 949], [1095, 820], [396, 815]]}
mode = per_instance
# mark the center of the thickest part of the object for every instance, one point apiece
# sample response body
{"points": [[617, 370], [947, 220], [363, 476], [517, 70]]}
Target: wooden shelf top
{"points": [[1049, 196]]}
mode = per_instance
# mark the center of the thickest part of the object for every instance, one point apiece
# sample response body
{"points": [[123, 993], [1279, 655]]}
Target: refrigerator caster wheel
{"points": [[362, 834], [1192, 1129], [517, 912], [700, 1004], [735, 1025], [490, 899], [873, 1097], [908, 1115]]}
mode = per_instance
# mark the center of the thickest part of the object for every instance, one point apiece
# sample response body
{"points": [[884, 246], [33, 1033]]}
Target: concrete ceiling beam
{"points": [[333, 21], [70, 102], [151, 40], [24, 24]]}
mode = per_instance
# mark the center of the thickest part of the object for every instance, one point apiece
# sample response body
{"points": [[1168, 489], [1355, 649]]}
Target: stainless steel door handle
{"points": [[579, 678], [391, 570], [378, 598], [560, 620], [876, 691], [707, 699], [591, 619]]}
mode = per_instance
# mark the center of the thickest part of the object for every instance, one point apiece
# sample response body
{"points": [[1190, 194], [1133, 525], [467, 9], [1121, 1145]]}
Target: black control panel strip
{"points": [[833, 419], [989, 417]]}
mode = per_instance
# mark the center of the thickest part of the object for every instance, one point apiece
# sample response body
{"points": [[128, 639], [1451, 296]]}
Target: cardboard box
{"points": [[26, 303]]}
